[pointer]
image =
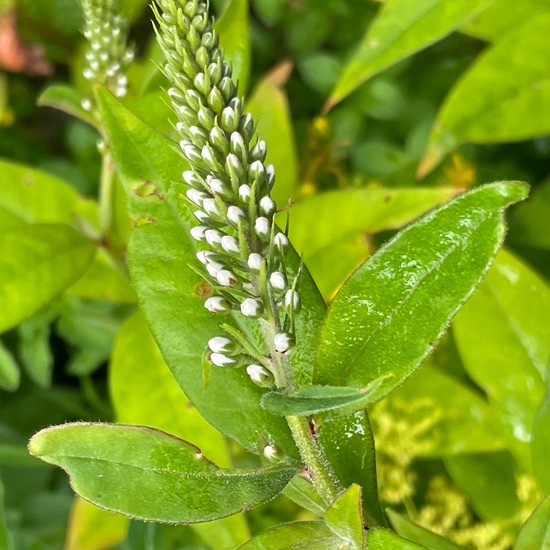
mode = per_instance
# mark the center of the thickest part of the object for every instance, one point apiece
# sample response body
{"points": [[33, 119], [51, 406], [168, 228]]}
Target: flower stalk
{"points": [[228, 187]]}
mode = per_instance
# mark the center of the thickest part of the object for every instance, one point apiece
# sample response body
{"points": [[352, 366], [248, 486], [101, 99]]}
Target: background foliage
{"points": [[374, 113]]}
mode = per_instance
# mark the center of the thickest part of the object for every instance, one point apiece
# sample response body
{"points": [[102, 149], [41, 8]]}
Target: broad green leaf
{"points": [[316, 399], [348, 444], [37, 263], [302, 492], [503, 17], [154, 399], [503, 336], [34, 346], [298, 535], [385, 319], [67, 99], [149, 475], [345, 517], [401, 29], [9, 370], [381, 539], [343, 218], [535, 533], [104, 281], [415, 533], [269, 106], [91, 527], [29, 196], [489, 482], [232, 26], [459, 420], [171, 294], [540, 445], [487, 105]]}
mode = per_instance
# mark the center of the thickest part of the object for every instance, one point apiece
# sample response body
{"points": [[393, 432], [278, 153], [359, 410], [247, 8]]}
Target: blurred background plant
{"points": [[374, 112]]}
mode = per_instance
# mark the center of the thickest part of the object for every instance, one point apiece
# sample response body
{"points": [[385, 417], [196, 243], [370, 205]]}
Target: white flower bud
{"points": [[230, 244], [267, 206], [214, 268], [237, 144], [260, 376], [198, 233], [247, 126], [195, 196], [190, 151], [220, 344], [191, 178], [280, 241], [210, 207], [197, 132], [270, 172], [215, 184], [262, 227], [208, 155], [292, 301], [259, 151], [244, 192], [255, 261], [201, 83], [233, 161], [226, 278], [205, 256], [257, 170], [250, 307], [213, 236], [283, 342], [87, 104], [221, 360], [273, 453], [235, 214], [217, 304], [229, 120], [278, 280], [201, 216]]}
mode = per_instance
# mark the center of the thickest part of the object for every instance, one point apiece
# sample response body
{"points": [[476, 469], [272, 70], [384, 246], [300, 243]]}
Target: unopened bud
{"points": [[192, 179], [244, 192], [235, 215], [221, 360], [273, 453], [283, 342], [255, 261], [220, 344], [262, 227], [217, 304], [259, 151], [214, 268], [280, 241], [292, 301], [216, 101], [198, 232], [226, 278], [230, 244], [213, 236], [229, 120], [260, 376], [250, 307], [267, 206], [196, 197], [278, 280]]}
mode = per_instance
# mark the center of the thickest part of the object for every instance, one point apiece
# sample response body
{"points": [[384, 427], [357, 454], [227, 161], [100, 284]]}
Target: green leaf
{"points": [[316, 399], [9, 370], [302, 492], [487, 105], [269, 106], [341, 220], [535, 533], [345, 517], [149, 475], [540, 445], [503, 17], [415, 533], [489, 481], [171, 294], [348, 445], [37, 263], [400, 30], [34, 346], [298, 535], [5, 538], [381, 539], [503, 336], [67, 99], [232, 26], [459, 420], [29, 196], [385, 319]]}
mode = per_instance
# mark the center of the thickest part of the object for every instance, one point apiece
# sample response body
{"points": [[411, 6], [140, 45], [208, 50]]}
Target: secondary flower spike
{"points": [[242, 252]]}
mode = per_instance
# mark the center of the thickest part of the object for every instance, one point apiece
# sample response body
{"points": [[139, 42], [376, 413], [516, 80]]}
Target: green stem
{"points": [[106, 193]]}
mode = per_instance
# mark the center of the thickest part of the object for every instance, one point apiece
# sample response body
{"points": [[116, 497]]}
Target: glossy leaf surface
{"points": [[401, 29], [299, 535], [37, 263], [172, 294], [345, 517], [487, 105], [415, 533], [316, 399], [340, 243], [503, 336], [149, 475], [535, 533], [269, 106], [232, 27], [348, 444], [384, 320], [540, 446]]}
